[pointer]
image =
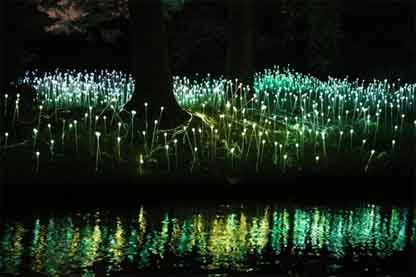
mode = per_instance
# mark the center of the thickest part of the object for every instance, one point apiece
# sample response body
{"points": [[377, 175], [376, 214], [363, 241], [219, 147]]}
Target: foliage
{"points": [[79, 15]]}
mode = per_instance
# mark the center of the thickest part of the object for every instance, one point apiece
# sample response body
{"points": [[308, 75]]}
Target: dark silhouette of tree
{"points": [[241, 48], [151, 66]]}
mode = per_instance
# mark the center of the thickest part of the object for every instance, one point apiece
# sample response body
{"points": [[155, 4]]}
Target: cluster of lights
{"points": [[112, 89], [292, 116]]}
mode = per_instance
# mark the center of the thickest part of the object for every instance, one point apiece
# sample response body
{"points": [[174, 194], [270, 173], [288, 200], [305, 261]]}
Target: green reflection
{"points": [[280, 231], [58, 246], [12, 248], [301, 229], [319, 221], [145, 252], [132, 244], [336, 236], [36, 247], [160, 238], [413, 239], [141, 219], [201, 243], [116, 245]]}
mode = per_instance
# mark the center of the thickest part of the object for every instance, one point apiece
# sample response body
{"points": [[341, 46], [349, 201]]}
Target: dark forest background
{"points": [[365, 39]]}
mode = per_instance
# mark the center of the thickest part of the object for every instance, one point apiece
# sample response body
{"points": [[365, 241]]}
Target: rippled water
{"points": [[222, 237]]}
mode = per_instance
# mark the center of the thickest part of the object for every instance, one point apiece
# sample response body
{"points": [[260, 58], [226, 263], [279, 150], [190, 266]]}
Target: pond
{"points": [[212, 239]]}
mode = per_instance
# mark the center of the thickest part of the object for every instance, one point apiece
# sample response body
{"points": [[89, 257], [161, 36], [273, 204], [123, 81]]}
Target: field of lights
{"points": [[286, 121]]}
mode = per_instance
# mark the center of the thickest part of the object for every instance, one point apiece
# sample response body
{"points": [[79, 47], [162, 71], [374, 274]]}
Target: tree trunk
{"points": [[240, 52], [150, 62]]}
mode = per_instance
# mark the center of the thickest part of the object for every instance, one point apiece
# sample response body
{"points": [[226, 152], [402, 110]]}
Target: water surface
{"points": [[210, 239]]}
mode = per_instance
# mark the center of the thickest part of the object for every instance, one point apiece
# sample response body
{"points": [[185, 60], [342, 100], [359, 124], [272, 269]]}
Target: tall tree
{"points": [[151, 66], [150, 54], [241, 48]]}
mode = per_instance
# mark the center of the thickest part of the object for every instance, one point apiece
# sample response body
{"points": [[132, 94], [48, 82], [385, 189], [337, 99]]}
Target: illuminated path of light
{"points": [[57, 246]]}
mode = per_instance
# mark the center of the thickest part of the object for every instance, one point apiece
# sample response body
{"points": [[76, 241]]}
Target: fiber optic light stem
{"points": [[37, 163], [97, 153], [5, 104]]}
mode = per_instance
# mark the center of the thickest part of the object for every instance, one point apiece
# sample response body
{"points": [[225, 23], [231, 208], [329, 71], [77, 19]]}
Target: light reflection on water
{"points": [[207, 239], [413, 232]]}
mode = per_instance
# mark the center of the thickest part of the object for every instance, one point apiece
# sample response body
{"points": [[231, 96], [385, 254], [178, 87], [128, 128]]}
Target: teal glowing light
{"points": [[56, 246], [285, 119]]}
